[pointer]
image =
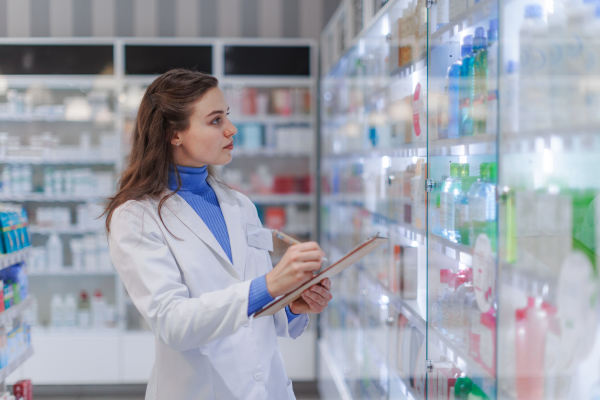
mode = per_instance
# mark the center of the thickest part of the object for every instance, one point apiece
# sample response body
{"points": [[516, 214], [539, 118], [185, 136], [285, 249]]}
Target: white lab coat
{"points": [[196, 302]]}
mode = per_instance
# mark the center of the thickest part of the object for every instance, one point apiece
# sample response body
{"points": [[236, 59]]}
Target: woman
{"points": [[177, 238]]}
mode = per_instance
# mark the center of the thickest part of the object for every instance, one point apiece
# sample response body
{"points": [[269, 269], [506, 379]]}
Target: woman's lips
{"points": [[229, 147]]}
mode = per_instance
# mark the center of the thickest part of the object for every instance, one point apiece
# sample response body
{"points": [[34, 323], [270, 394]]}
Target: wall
{"points": [[149, 18]]}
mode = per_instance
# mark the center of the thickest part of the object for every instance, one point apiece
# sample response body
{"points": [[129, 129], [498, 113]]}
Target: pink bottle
{"points": [[531, 326]]}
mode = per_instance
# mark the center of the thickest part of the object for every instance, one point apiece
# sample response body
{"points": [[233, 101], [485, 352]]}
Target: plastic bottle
{"points": [[70, 311], [98, 309], [531, 324], [454, 89], [491, 125], [454, 234], [534, 71], [509, 102], [592, 33], [436, 310], [445, 317], [463, 218], [482, 205], [467, 92], [54, 252], [56, 311], [83, 310], [462, 301], [480, 81], [456, 308], [450, 189]]}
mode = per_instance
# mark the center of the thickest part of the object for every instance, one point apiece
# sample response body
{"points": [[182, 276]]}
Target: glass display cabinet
{"points": [[467, 132]]}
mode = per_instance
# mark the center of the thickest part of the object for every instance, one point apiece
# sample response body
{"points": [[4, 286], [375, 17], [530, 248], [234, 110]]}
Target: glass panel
{"points": [[373, 169], [549, 125], [156, 60], [19, 59], [462, 223], [267, 60]]}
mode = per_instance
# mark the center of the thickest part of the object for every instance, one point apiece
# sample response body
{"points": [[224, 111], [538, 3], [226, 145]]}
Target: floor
{"points": [[303, 390], [298, 397]]}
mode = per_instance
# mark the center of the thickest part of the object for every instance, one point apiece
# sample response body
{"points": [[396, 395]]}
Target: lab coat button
{"points": [[246, 325], [257, 376]]}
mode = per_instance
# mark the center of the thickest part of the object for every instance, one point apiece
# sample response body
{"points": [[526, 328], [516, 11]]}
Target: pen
{"points": [[288, 239]]}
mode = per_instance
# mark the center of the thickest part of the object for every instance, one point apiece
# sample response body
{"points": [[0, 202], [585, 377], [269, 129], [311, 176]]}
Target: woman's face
{"points": [[209, 139]]}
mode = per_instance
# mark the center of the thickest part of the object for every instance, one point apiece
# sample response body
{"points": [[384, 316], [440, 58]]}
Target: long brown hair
{"points": [[165, 109]]}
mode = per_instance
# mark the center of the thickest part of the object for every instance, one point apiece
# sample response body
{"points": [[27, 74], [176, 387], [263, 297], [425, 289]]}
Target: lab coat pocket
{"points": [[290, 390], [262, 261]]}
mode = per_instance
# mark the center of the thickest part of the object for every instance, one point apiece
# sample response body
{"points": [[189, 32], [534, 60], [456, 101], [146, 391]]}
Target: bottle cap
{"points": [[83, 295], [493, 172], [97, 293], [445, 275], [465, 170], [459, 280], [467, 47], [533, 11], [454, 170], [482, 169], [479, 42]]}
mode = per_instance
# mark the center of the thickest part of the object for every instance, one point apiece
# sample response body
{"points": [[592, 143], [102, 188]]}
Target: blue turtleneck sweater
{"points": [[196, 191]]}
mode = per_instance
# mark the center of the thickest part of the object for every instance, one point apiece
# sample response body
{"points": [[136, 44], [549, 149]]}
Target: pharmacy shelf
{"points": [[41, 197], [69, 271], [408, 231], [14, 364], [57, 161], [464, 146], [49, 118], [68, 230], [7, 260], [334, 371], [273, 153], [10, 313], [479, 12], [271, 119], [410, 68], [455, 251], [414, 310], [418, 149], [267, 199], [576, 140], [463, 361]]}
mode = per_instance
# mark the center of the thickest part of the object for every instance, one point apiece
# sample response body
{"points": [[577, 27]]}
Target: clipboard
{"points": [[353, 256]]}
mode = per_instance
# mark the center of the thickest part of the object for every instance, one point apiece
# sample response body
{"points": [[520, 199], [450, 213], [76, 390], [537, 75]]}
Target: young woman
{"points": [[177, 238]]}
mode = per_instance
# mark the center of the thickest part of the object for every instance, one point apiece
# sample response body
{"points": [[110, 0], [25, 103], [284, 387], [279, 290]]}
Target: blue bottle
{"points": [[453, 85], [467, 85]]}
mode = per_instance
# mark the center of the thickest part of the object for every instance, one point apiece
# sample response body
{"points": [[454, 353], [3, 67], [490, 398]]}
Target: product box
{"points": [[7, 239], [23, 390]]}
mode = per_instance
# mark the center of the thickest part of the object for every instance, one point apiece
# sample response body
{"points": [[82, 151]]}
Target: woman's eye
{"points": [[216, 121]]}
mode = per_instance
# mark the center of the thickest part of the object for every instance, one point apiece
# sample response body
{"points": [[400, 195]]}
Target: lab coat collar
{"points": [[236, 226], [233, 219]]}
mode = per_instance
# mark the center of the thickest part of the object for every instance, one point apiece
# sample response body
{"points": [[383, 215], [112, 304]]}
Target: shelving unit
{"points": [[513, 230], [123, 85]]}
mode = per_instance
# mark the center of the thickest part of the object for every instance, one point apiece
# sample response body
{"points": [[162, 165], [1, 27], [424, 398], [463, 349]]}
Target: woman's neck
{"points": [[192, 179]]}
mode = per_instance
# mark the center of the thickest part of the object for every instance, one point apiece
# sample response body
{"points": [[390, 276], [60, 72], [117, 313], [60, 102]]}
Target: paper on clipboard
{"points": [[353, 256]]}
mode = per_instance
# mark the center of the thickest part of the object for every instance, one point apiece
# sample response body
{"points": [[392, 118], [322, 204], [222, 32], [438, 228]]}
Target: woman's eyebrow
{"points": [[217, 112]]}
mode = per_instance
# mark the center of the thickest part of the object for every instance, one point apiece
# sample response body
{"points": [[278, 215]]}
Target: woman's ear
{"points": [[176, 139]]}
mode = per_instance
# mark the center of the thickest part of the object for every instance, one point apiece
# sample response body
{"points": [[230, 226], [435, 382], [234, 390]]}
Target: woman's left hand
{"points": [[314, 299]]}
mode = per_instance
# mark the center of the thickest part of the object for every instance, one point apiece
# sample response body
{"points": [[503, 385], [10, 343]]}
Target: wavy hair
{"points": [[165, 109]]}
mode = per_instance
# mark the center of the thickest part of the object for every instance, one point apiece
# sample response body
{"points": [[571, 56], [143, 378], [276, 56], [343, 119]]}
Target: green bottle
{"points": [[480, 83]]}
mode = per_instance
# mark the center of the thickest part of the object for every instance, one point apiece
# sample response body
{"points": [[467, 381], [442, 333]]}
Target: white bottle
{"points": [[90, 252], [56, 311], [98, 309], [70, 311], [6, 180], [54, 252], [534, 93]]}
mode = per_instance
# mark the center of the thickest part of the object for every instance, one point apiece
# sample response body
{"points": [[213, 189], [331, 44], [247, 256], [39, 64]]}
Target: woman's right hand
{"points": [[296, 267]]}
